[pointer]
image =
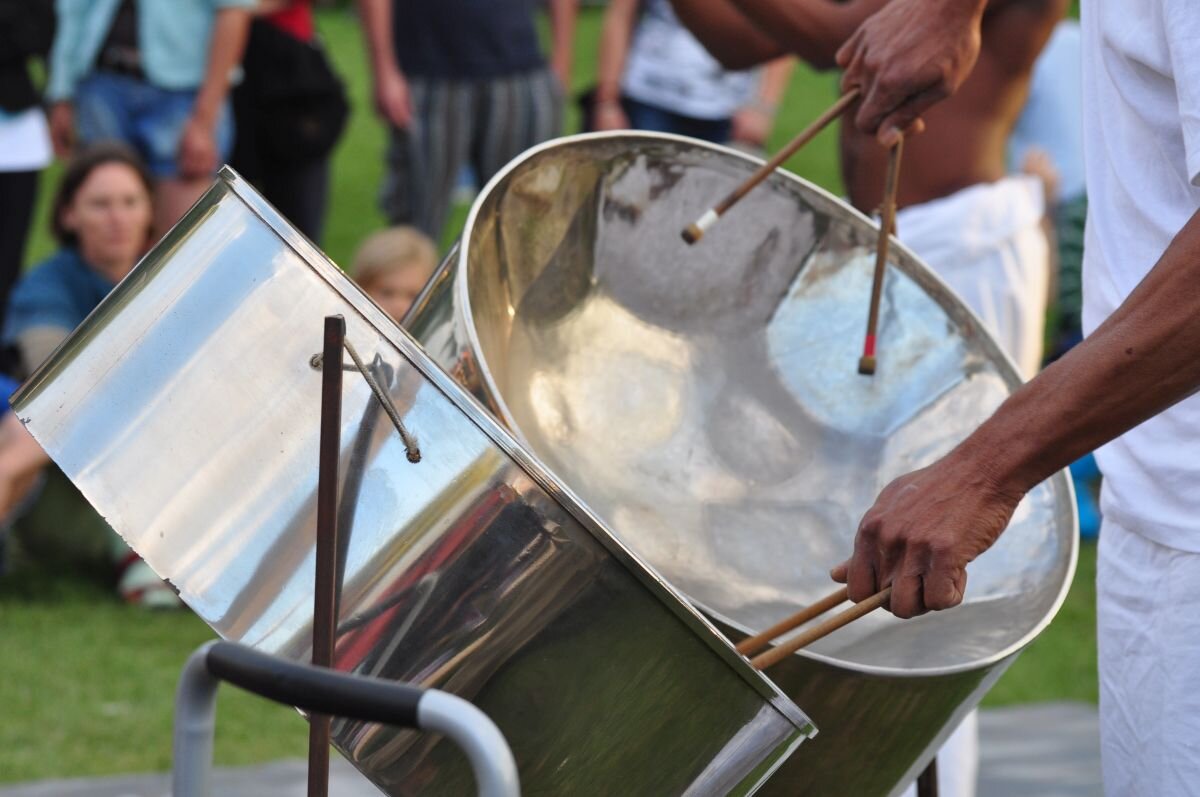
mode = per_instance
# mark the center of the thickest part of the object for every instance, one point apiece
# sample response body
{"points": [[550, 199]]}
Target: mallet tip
{"points": [[692, 233], [866, 365]]}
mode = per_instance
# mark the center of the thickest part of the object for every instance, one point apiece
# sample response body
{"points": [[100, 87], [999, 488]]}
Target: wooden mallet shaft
{"points": [[751, 645], [806, 638], [887, 225], [695, 231]]}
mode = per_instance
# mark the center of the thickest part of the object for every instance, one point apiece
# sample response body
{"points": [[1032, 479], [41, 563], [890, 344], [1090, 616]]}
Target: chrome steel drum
{"points": [[186, 409], [704, 401]]}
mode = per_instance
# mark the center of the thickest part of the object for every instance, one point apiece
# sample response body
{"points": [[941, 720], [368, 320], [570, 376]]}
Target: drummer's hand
{"points": [[923, 531], [906, 57], [392, 100]]}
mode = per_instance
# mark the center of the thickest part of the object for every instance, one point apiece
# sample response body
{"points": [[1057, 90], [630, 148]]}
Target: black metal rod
{"points": [[325, 597], [927, 781]]}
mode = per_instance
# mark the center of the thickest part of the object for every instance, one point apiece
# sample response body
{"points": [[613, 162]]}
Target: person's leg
{"points": [[395, 201], [104, 111], [1148, 634], [425, 159], [159, 125], [440, 143], [300, 192], [18, 193], [514, 114]]}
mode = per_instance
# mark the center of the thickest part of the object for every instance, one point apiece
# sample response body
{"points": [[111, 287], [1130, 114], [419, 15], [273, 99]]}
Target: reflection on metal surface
{"points": [[705, 402], [186, 409]]}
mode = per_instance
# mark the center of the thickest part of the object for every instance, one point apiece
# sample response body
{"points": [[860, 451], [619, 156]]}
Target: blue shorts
{"points": [[145, 117]]}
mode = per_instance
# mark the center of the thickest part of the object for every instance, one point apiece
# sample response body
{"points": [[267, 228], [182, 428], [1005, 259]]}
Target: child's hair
{"points": [[390, 250]]}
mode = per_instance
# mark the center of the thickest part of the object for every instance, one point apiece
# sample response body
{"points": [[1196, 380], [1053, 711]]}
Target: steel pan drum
{"points": [[186, 409], [705, 402]]}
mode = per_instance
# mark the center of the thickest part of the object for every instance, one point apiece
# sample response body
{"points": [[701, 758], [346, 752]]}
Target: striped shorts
{"points": [[484, 123]]}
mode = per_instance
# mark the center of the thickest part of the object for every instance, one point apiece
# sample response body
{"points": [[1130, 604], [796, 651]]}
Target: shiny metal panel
{"points": [[705, 402], [186, 410]]}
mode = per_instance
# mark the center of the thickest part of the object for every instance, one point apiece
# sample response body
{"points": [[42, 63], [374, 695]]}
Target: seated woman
{"points": [[102, 217]]}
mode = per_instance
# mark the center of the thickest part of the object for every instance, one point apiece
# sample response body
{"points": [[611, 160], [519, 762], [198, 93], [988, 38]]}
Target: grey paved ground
{"points": [[1046, 750], [1049, 750]]}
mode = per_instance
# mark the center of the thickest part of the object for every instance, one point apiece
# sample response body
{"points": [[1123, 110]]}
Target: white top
{"points": [[668, 68], [1142, 146], [1052, 119], [24, 141]]}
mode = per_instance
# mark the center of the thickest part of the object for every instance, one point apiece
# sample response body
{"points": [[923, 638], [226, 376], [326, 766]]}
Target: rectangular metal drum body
{"points": [[186, 409]]}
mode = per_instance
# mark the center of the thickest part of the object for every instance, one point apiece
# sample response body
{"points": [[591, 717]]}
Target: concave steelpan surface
{"points": [[186, 409], [704, 401]]}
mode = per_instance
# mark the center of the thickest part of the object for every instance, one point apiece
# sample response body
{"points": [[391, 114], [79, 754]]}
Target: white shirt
{"points": [[1142, 149], [24, 141], [668, 68]]}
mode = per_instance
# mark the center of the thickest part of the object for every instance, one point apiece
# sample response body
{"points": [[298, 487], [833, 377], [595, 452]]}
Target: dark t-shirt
{"points": [[466, 39]]}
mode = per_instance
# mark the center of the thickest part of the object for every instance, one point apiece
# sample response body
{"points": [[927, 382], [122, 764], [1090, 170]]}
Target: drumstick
{"points": [[752, 644], [887, 225], [778, 654], [695, 231]]}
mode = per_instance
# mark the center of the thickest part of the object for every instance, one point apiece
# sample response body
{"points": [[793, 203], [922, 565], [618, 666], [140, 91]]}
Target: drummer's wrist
{"points": [[1007, 453]]}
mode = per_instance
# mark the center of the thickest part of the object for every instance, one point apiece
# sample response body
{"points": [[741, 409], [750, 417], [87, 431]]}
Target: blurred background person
{"points": [[392, 266], [26, 30], [654, 75], [102, 218], [155, 75], [461, 82], [290, 110]]}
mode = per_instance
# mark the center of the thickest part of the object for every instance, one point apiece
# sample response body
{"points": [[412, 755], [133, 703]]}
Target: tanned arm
{"points": [[562, 36], [727, 33], [197, 144], [926, 526], [390, 88], [615, 34], [812, 29]]}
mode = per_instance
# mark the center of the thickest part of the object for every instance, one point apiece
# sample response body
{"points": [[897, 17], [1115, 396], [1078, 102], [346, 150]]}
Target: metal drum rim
{"points": [[902, 258]]}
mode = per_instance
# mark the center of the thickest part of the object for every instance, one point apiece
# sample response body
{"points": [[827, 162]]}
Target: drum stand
{"points": [[327, 585], [325, 594]]}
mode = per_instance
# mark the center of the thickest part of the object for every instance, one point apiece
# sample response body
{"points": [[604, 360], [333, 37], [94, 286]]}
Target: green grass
{"points": [[87, 683]]}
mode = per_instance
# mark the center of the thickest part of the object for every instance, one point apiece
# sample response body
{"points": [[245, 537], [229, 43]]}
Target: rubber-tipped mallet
{"points": [[887, 228], [695, 231]]}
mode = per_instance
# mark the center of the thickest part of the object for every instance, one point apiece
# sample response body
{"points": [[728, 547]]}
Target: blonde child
{"points": [[392, 266]]}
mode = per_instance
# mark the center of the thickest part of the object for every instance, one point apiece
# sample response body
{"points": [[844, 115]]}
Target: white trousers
{"points": [[987, 243], [1148, 624]]}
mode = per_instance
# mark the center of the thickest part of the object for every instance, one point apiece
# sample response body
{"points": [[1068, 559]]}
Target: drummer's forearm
{"points": [[1140, 361], [812, 29], [727, 33]]}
